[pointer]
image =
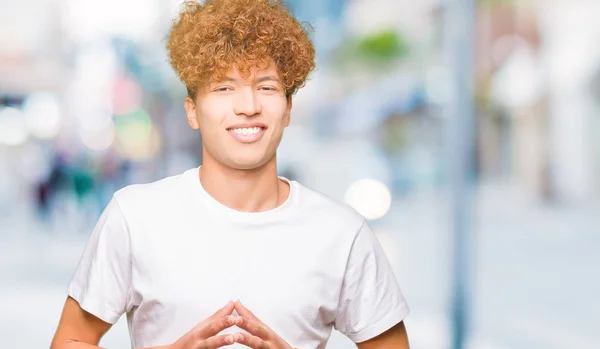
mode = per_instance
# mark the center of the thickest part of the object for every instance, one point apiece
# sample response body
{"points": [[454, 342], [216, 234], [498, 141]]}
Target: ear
{"points": [[288, 112], [190, 110]]}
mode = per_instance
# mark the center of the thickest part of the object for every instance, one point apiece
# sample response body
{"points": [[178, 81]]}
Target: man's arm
{"points": [[78, 329], [394, 338]]}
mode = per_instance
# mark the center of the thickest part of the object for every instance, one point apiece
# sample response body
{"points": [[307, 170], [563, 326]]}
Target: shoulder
{"points": [[326, 208], [158, 193]]}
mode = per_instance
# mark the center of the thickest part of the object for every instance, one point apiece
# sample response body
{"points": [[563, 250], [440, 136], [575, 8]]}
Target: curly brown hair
{"points": [[206, 40]]}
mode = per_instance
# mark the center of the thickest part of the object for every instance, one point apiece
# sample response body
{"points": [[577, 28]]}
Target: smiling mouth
{"points": [[246, 130], [247, 134]]}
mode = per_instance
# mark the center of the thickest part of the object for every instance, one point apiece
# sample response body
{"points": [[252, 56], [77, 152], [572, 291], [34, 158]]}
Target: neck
{"points": [[254, 190]]}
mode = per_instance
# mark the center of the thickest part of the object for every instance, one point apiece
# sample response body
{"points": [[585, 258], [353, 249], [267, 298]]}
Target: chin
{"points": [[248, 163]]}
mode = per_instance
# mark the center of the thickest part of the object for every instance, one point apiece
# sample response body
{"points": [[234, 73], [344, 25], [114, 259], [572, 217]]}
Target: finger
{"points": [[216, 341], [213, 327], [226, 310], [254, 327], [251, 341], [243, 311]]}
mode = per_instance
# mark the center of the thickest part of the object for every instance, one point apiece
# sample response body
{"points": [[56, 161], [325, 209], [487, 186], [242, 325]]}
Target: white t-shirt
{"points": [[169, 255]]}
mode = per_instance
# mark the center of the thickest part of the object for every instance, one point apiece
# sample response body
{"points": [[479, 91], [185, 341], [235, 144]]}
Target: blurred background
{"points": [[467, 132]]}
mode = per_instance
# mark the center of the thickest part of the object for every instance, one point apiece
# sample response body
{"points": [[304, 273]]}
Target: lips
{"points": [[247, 133]]}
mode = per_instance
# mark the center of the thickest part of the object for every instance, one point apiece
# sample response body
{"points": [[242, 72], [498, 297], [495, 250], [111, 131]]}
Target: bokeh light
{"points": [[43, 115], [98, 139], [369, 197], [127, 95], [136, 137], [13, 130]]}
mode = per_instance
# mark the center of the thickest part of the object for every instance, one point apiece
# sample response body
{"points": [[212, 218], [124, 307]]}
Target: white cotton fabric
{"points": [[168, 255]]}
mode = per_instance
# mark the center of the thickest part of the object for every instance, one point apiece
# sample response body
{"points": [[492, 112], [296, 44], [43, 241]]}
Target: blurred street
{"points": [[388, 123]]}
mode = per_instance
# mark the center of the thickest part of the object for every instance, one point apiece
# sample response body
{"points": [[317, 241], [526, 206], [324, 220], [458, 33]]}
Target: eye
{"points": [[268, 88], [222, 89]]}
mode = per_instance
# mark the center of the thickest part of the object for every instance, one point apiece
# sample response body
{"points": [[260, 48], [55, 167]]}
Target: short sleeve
{"points": [[371, 301], [103, 276]]}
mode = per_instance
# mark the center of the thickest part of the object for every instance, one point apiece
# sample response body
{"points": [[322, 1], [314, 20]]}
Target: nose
{"points": [[246, 103]]}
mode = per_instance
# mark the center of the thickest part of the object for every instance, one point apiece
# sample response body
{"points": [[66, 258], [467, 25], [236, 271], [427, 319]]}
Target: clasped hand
{"points": [[205, 335]]}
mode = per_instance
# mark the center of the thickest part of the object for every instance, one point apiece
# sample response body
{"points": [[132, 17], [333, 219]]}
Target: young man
{"points": [[230, 254]]}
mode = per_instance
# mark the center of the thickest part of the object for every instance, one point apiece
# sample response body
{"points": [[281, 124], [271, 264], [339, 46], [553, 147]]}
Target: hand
{"points": [[259, 335], [204, 335]]}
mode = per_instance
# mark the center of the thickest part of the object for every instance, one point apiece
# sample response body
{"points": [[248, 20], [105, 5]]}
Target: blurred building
{"points": [[538, 111]]}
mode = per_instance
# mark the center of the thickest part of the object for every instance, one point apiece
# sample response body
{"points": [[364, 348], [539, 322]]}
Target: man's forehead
{"points": [[256, 73]]}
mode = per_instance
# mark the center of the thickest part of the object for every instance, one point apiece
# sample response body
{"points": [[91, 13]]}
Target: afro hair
{"points": [[207, 40]]}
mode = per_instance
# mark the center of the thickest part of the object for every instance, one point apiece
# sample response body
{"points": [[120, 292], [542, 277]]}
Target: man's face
{"points": [[241, 120]]}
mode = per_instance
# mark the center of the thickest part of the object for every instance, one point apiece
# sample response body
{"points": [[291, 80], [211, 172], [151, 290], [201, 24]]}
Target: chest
{"points": [[289, 283]]}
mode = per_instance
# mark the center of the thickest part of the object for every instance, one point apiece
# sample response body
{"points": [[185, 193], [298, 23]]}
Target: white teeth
{"points": [[247, 130]]}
